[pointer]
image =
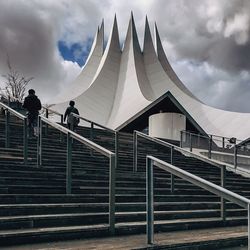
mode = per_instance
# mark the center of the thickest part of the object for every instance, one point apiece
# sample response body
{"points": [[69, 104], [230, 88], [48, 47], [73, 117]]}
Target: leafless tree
{"points": [[15, 84]]}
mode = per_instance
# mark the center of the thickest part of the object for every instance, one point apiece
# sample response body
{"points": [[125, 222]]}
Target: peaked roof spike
{"points": [[134, 33], [102, 25], [132, 20], [147, 29], [115, 26], [131, 34], [146, 21], [148, 42], [115, 19], [101, 35], [113, 40], [158, 44]]}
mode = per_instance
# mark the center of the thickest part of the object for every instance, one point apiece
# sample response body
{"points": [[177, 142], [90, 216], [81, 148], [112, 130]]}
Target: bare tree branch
{"points": [[15, 84]]}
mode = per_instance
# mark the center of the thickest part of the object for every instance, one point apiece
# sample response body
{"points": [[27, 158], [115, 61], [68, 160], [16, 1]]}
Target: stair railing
{"points": [[93, 124], [207, 142], [9, 111], [200, 182], [173, 148], [51, 111], [93, 146]]}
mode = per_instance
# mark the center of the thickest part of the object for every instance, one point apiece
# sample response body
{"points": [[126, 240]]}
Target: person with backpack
{"points": [[33, 105], [72, 121]]}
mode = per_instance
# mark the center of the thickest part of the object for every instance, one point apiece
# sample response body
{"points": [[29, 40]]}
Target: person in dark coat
{"points": [[33, 105], [72, 121]]}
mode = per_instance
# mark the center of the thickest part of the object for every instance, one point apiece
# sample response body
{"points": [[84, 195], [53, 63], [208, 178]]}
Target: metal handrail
{"points": [[208, 135], [115, 132], [211, 139], [92, 124], [198, 181], [9, 110], [171, 146], [78, 137], [72, 135], [80, 117], [51, 110], [183, 151], [47, 110], [12, 111], [191, 133]]}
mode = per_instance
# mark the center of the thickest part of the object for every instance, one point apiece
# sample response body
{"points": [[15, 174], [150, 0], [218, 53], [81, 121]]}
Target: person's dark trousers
{"points": [[32, 124]]}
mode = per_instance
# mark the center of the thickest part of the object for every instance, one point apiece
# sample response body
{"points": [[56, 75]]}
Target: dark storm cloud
{"points": [[213, 31], [214, 36], [30, 31]]}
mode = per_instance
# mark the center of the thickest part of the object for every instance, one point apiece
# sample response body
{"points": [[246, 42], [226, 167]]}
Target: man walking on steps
{"points": [[33, 105], [72, 121]]}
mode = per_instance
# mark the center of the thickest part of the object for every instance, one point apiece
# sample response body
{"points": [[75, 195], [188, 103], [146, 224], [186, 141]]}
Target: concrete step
{"points": [[53, 208], [22, 236], [74, 219]]}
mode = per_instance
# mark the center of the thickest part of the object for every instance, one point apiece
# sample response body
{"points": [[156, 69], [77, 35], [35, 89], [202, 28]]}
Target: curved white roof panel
{"points": [[116, 85]]}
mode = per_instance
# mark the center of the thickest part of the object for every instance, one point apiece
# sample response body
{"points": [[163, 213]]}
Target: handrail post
{"points": [[235, 156], [61, 119], [117, 148], [223, 201], [135, 149], [7, 128], [171, 175], [46, 125], [181, 139], [91, 131], [61, 134], [25, 141], [150, 200], [112, 174], [91, 135], [210, 147], [191, 143], [39, 142], [69, 164], [223, 142], [248, 213]]}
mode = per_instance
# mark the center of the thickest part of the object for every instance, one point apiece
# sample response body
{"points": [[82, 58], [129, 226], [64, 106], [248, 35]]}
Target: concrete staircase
{"points": [[35, 208]]}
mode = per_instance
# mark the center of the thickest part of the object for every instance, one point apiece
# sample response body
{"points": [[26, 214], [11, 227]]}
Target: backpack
{"points": [[72, 119]]}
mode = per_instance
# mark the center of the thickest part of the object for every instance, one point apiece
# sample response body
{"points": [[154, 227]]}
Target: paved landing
{"points": [[139, 241]]}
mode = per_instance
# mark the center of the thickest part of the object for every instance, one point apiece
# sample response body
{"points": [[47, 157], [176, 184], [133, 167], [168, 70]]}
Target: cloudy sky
{"points": [[207, 42]]}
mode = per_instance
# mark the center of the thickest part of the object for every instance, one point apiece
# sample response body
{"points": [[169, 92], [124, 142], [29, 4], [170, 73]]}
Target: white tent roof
{"points": [[116, 85]]}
